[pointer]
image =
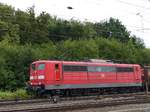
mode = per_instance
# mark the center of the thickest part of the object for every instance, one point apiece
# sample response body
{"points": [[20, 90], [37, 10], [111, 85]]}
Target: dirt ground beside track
{"points": [[122, 108]]}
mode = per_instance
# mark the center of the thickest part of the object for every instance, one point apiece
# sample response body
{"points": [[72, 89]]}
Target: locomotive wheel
{"points": [[55, 99]]}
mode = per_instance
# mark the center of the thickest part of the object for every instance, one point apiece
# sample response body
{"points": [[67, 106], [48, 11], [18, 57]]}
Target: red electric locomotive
{"points": [[69, 77]]}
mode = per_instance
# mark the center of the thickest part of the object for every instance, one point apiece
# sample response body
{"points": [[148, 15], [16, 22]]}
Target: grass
{"points": [[19, 94]]}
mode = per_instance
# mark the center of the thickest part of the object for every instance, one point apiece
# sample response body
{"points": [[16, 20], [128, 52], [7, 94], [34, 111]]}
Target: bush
{"points": [[19, 94]]}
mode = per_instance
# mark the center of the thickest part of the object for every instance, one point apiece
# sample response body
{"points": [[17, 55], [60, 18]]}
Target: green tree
{"points": [[112, 28]]}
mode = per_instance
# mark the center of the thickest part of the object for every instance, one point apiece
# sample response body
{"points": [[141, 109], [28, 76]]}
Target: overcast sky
{"points": [[134, 14]]}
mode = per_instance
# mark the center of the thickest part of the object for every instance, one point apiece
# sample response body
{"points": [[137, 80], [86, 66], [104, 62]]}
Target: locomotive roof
{"points": [[84, 63]]}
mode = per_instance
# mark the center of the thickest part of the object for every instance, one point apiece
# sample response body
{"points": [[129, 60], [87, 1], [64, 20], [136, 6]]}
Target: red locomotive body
{"points": [[64, 75]]}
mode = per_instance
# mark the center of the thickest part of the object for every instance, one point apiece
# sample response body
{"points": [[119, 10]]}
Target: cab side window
{"points": [[41, 66]]}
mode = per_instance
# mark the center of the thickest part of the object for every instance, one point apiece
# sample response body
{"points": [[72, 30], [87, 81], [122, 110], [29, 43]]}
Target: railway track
{"points": [[35, 100], [76, 103]]}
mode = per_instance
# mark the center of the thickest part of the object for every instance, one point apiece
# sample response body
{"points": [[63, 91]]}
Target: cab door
{"points": [[58, 72], [137, 73]]}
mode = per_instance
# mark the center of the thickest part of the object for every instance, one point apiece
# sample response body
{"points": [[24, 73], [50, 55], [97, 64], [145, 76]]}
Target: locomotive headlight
{"points": [[31, 77], [41, 77]]}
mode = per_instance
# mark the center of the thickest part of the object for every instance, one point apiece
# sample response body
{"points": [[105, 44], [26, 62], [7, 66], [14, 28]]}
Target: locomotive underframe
{"points": [[42, 91]]}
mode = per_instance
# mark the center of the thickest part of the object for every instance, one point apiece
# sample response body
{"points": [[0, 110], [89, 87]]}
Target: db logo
{"points": [[102, 75]]}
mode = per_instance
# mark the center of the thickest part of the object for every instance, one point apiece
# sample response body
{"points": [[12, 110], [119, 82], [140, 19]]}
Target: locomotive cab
{"points": [[44, 74], [37, 73]]}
